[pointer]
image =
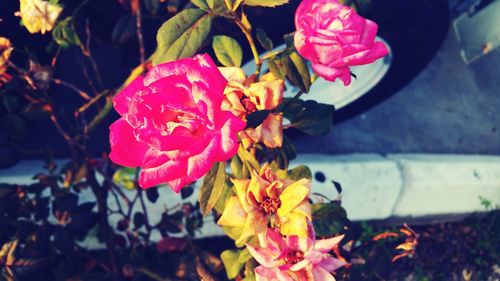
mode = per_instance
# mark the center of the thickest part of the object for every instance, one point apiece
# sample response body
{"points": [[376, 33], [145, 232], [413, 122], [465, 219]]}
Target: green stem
{"points": [[251, 42]]}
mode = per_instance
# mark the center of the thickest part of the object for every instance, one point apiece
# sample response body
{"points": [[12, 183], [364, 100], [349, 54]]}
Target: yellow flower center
{"points": [[270, 205], [293, 256]]}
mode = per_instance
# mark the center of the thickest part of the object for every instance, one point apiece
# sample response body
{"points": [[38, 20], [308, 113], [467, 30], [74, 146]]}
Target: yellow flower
{"points": [[244, 96], [267, 199], [38, 15], [5, 51]]}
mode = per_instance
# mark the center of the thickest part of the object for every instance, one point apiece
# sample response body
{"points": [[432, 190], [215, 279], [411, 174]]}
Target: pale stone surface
{"points": [[370, 183], [446, 184], [373, 186]]}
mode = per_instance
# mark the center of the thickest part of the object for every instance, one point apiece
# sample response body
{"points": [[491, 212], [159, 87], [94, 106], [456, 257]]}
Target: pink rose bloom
{"points": [[172, 124], [294, 258], [333, 37]]}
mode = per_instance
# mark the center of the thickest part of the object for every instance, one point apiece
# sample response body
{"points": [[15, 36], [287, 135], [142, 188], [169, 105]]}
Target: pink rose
{"points": [[294, 258], [172, 124], [333, 37]]}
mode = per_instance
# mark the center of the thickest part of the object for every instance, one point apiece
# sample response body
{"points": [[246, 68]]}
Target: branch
{"points": [[72, 87]]}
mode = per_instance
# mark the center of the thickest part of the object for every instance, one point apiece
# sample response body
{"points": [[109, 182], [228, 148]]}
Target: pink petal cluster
{"points": [[334, 37], [172, 124], [295, 259]]}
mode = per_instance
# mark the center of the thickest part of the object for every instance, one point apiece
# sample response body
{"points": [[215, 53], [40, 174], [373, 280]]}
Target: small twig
{"points": [[91, 102], [56, 56], [72, 87], [60, 129], [86, 52], [138, 25], [86, 74]]}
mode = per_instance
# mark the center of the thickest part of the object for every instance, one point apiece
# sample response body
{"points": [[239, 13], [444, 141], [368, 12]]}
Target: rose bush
{"points": [[334, 37], [172, 123]]}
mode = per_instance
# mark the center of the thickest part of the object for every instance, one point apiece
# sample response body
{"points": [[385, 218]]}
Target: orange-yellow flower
{"points": [[38, 15], [267, 199], [244, 96], [5, 51]]}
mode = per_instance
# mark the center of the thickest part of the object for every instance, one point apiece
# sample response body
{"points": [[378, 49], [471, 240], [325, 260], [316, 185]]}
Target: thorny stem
{"points": [[248, 34]]}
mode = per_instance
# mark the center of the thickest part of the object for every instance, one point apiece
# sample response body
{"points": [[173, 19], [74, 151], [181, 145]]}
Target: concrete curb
{"points": [[374, 187]]}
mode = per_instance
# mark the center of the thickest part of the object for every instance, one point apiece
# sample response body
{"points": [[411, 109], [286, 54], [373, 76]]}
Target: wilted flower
{"points": [[333, 37], [38, 15], [172, 124], [295, 258], [244, 96], [5, 51], [267, 198]]}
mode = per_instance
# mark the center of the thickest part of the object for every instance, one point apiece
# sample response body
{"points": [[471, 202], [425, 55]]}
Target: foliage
{"points": [[47, 223]]}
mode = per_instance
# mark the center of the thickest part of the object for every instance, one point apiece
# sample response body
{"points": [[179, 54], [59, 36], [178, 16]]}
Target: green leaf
{"points": [[237, 167], [328, 218], [125, 177], [216, 5], [299, 173], [277, 69], [202, 4], [212, 188], [297, 71], [230, 259], [286, 153], [256, 118], [64, 33], [206, 5], [244, 256], [226, 194], [182, 35], [227, 50], [264, 40], [249, 163], [233, 5], [265, 3], [310, 117], [152, 6]]}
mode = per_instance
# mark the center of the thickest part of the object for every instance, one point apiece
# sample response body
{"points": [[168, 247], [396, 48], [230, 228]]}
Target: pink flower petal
{"points": [[228, 135], [159, 169], [121, 100], [321, 274], [330, 74], [326, 245], [125, 149], [263, 256], [331, 264]]}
